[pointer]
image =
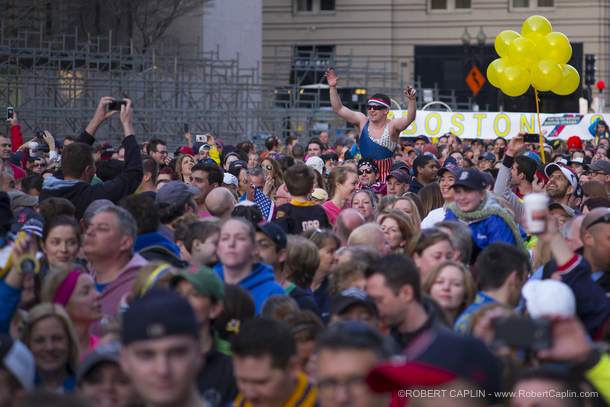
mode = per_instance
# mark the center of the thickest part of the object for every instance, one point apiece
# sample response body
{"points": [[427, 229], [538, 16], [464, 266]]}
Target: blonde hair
{"points": [[45, 310], [344, 275], [415, 215], [179, 166], [470, 289], [141, 280], [337, 176]]}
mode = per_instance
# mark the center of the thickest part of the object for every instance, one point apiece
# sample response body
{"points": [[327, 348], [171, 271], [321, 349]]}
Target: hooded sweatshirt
{"points": [[116, 289], [260, 283]]}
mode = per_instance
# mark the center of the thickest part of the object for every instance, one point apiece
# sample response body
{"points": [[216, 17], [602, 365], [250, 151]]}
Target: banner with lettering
{"points": [[490, 125]]}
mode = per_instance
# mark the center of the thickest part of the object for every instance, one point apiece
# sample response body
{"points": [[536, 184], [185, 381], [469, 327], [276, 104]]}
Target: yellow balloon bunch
{"points": [[537, 57]]}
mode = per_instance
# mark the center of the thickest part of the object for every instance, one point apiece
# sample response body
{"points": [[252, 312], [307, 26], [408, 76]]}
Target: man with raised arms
{"points": [[378, 134]]}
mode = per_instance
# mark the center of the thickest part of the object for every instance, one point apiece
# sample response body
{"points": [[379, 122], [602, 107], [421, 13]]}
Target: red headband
{"points": [[66, 288]]}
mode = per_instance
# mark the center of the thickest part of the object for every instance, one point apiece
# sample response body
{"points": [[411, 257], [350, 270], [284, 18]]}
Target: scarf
{"points": [[488, 208]]}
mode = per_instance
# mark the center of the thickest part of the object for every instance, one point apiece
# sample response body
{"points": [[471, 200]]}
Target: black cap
{"points": [[340, 302], [158, 314], [275, 233], [237, 163]]}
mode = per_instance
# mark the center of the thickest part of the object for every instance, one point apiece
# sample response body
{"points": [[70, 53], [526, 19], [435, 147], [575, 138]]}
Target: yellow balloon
{"points": [[514, 81], [545, 75], [495, 69], [536, 24], [570, 81], [523, 52], [539, 41], [558, 50], [503, 40]]}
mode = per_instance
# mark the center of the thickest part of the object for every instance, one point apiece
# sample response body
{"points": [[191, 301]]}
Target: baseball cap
{"points": [[31, 158], [340, 302], [184, 150], [556, 205], [471, 179], [327, 157], [19, 361], [230, 179], [158, 314], [579, 192], [489, 179], [205, 147], [249, 211], [19, 198], [422, 137], [319, 193], [562, 161], [400, 176], [237, 163], [204, 279], [23, 216], [600, 165], [533, 155], [275, 233], [577, 160], [548, 297], [489, 156], [551, 168], [16, 157], [574, 143], [452, 168], [415, 150], [175, 191], [104, 352], [431, 148], [400, 165], [316, 163]]}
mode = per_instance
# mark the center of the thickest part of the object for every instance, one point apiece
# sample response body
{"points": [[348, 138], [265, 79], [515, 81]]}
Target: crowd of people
{"points": [[363, 269]]}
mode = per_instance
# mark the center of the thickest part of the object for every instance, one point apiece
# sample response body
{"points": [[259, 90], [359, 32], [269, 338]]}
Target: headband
{"points": [[379, 102], [154, 277], [66, 288], [542, 176]]}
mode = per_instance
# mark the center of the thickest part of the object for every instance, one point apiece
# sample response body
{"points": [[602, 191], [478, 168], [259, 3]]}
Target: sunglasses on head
{"points": [[368, 171], [375, 107], [603, 219]]}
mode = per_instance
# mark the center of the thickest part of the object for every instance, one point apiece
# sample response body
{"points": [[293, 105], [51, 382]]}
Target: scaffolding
{"points": [[56, 84]]}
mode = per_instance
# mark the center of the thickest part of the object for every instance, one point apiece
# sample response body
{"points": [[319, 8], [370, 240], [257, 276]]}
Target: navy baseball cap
{"points": [[275, 233], [489, 156], [471, 179], [158, 314]]}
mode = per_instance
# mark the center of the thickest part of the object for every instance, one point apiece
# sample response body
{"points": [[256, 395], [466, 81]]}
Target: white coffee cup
{"points": [[33, 147], [536, 207]]}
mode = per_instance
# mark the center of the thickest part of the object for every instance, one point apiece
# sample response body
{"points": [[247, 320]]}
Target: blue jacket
{"points": [[260, 283], [488, 230], [593, 128], [9, 301]]}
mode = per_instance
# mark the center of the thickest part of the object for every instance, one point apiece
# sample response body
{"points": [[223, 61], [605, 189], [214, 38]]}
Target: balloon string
{"points": [[539, 127]]}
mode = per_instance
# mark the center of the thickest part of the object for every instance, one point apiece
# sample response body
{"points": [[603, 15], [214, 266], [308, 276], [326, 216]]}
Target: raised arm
{"points": [[101, 115], [352, 117], [400, 124]]}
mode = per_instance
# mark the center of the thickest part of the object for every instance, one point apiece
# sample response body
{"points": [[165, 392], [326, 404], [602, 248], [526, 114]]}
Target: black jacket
{"points": [[82, 194]]}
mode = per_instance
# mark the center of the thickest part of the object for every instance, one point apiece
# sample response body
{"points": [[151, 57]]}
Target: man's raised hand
{"points": [[127, 117], [101, 115], [331, 78], [410, 93]]}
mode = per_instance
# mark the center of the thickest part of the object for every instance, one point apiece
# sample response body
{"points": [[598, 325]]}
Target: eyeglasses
{"points": [[596, 173], [603, 219], [40, 165], [269, 167], [367, 170], [375, 107], [163, 152]]}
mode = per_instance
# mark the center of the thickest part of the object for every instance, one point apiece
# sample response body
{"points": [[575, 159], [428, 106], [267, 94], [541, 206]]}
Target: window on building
{"points": [[532, 4], [314, 6], [450, 4]]}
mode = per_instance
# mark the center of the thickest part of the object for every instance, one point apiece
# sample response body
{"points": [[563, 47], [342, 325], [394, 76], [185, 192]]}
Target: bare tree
{"points": [[148, 19]]}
